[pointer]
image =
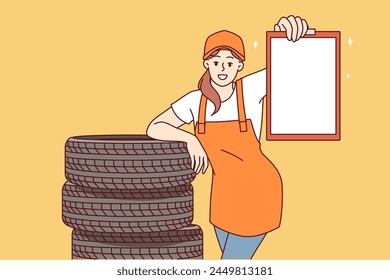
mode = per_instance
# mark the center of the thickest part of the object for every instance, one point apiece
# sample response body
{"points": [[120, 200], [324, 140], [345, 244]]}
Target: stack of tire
{"points": [[129, 197]]}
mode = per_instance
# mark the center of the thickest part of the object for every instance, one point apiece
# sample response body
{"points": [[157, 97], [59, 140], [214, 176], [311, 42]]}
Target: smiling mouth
{"points": [[222, 76]]}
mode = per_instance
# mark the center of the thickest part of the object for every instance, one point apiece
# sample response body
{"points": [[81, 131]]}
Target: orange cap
{"points": [[224, 40]]}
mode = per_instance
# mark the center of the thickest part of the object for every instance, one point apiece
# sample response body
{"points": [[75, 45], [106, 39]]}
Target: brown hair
{"points": [[205, 84]]}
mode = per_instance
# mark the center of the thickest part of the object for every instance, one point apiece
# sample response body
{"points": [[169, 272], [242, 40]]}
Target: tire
{"points": [[102, 211], [184, 243], [135, 162]]}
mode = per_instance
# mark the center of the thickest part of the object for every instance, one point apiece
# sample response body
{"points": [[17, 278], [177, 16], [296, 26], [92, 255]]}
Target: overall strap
{"points": [[241, 108], [202, 115]]}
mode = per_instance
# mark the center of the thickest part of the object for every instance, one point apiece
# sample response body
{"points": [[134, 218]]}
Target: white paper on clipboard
{"points": [[303, 87]]}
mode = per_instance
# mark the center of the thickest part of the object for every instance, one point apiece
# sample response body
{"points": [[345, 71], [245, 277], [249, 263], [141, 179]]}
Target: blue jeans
{"points": [[236, 246]]}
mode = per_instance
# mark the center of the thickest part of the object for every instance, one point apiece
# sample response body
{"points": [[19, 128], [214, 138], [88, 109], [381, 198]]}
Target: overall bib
{"points": [[246, 191]]}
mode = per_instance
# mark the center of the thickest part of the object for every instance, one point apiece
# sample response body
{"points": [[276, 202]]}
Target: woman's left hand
{"points": [[295, 27]]}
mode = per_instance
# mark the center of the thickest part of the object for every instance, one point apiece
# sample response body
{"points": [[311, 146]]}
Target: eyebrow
{"points": [[230, 57]]}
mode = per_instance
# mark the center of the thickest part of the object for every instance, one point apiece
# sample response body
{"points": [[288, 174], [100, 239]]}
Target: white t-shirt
{"points": [[254, 89]]}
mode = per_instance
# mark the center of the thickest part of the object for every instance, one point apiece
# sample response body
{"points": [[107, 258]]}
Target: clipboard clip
{"points": [[311, 31]]}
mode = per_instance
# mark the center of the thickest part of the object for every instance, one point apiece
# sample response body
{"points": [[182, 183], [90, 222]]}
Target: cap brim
{"points": [[206, 55]]}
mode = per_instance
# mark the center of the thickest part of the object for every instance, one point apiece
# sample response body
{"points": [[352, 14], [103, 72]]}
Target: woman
{"points": [[246, 193]]}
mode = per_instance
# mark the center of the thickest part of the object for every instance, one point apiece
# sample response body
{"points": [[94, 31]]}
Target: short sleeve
{"points": [[185, 107], [254, 85]]}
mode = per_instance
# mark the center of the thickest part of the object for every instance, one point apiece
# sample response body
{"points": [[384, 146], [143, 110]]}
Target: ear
{"points": [[206, 64], [240, 66]]}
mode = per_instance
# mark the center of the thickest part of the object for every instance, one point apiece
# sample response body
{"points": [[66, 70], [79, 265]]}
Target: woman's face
{"points": [[223, 67]]}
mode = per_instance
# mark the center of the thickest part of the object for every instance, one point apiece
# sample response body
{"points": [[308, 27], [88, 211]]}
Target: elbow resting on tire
{"points": [[150, 131]]}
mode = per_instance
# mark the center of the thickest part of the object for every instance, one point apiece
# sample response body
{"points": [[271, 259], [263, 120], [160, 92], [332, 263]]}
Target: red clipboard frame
{"points": [[303, 137]]}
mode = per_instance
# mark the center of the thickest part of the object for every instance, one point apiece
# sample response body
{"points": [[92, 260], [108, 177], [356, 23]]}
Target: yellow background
{"points": [[101, 67]]}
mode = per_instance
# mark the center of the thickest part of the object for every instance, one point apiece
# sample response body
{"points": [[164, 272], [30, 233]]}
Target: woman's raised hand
{"points": [[198, 156], [295, 27]]}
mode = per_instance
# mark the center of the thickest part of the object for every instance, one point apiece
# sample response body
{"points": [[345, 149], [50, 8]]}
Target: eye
{"points": [[216, 63], [230, 64]]}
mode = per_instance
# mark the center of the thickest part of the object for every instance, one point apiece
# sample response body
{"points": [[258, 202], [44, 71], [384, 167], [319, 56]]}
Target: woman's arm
{"points": [[166, 127], [295, 28]]}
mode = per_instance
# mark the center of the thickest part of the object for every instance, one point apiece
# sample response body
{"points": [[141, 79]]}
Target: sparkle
{"points": [[348, 76], [255, 44], [350, 41]]}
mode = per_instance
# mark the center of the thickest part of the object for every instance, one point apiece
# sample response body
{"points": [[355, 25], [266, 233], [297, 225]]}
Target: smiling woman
{"points": [[246, 191], [222, 65], [220, 72]]}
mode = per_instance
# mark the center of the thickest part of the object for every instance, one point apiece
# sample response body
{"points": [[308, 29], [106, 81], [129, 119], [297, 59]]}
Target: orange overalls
{"points": [[246, 191]]}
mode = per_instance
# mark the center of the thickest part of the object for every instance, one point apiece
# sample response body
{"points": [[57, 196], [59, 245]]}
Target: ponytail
{"points": [[207, 90]]}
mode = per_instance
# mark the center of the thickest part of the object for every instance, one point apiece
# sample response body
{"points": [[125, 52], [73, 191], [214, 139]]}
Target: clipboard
{"points": [[303, 86]]}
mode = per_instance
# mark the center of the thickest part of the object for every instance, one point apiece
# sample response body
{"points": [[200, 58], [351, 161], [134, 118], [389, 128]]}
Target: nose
{"points": [[223, 66]]}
